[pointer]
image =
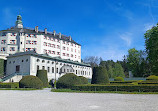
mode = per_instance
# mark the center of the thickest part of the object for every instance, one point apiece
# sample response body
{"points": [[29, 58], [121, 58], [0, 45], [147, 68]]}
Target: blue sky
{"points": [[104, 28]]}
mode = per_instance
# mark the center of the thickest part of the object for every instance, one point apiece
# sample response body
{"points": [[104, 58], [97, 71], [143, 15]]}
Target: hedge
{"points": [[68, 80], [31, 82], [42, 75], [9, 85], [128, 88], [152, 77], [118, 79], [100, 76]]}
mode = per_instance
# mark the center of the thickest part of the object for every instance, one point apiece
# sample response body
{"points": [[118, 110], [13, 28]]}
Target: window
{"points": [[2, 48], [58, 46], [21, 42], [53, 45], [76, 71], [49, 51], [43, 61], [26, 60], [17, 68], [49, 44], [47, 61], [22, 60], [48, 69], [52, 62], [34, 42], [43, 68], [52, 69], [37, 60], [13, 62], [67, 49], [12, 48], [3, 41], [58, 53], [67, 70], [12, 41], [28, 42], [53, 52], [37, 67], [64, 48], [9, 62]]}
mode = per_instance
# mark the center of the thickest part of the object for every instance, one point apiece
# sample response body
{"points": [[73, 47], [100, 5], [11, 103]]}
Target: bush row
{"points": [[128, 88], [9, 85]]}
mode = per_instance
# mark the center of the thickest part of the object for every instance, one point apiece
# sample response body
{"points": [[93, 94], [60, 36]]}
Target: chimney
{"points": [[54, 32], [45, 30], [60, 35], [36, 29], [70, 38]]}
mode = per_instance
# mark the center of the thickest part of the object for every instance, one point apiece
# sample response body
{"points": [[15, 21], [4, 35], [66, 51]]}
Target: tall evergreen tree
{"points": [[118, 71], [151, 43]]}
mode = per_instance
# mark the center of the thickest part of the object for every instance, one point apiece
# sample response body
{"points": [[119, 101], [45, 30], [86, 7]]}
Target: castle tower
{"points": [[19, 22]]}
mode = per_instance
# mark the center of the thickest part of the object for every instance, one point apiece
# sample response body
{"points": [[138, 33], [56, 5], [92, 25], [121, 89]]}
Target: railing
{"points": [[12, 75]]}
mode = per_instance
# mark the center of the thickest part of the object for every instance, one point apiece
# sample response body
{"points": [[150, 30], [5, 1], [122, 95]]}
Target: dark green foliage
{"points": [[118, 79], [30, 82], [118, 71], [100, 76], [42, 75], [83, 80], [69, 80], [152, 78], [9, 85], [151, 43], [128, 88], [2, 67]]}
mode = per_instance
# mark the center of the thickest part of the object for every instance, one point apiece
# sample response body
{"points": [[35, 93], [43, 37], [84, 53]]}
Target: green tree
{"points": [[110, 71], [100, 76], [118, 71], [42, 75], [151, 43], [133, 61]]}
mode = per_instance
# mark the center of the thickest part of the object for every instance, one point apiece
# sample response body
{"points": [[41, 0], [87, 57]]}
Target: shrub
{"points": [[68, 80], [128, 88], [30, 82], [83, 80], [9, 85], [42, 75], [100, 76], [118, 79], [152, 78]]}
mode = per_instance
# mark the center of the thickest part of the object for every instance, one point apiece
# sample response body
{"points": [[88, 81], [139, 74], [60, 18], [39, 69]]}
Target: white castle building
{"points": [[28, 50]]}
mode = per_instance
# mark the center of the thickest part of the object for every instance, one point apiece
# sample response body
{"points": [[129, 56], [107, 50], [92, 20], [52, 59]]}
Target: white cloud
{"points": [[127, 38]]}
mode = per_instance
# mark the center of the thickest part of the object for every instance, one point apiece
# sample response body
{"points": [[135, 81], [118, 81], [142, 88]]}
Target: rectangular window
{"points": [[52, 69], [12, 41], [48, 69], [53, 52], [3, 41], [17, 68], [37, 67], [43, 68], [28, 42], [12, 48], [2, 48], [34, 42]]}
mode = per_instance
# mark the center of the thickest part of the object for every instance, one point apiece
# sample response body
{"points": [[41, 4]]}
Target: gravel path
{"points": [[44, 100]]}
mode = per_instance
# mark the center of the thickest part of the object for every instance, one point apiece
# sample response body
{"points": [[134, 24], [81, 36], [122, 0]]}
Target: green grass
{"points": [[118, 92]]}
